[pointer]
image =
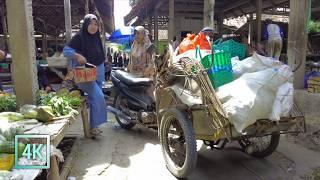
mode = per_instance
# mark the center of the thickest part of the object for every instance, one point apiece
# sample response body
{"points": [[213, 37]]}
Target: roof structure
{"points": [[194, 9], [49, 14]]}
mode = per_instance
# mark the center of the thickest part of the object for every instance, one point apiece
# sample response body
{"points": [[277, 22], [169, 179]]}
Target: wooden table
{"points": [[57, 130]]}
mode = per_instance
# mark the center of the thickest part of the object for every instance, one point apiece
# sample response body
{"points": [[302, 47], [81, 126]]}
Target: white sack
{"points": [[251, 97], [283, 102]]}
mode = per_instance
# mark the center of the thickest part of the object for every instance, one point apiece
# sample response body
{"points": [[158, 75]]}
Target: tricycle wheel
{"points": [[178, 143], [260, 147], [121, 104]]}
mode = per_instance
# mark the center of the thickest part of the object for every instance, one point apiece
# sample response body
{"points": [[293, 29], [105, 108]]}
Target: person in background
{"points": [[86, 47], [142, 56], [58, 51], [43, 80], [125, 60], [208, 31], [175, 43], [115, 59], [273, 34], [120, 61], [108, 66], [2, 57]]}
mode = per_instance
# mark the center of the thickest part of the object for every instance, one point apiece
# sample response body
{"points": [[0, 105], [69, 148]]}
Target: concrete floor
{"points": [[136, 155]]}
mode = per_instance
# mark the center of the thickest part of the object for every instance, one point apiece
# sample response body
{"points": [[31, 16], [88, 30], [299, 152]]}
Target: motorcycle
{"points": [[132, 104]]}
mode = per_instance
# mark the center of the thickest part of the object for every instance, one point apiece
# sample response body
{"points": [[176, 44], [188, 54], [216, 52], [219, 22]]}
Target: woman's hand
{"points": [[81, 59]]}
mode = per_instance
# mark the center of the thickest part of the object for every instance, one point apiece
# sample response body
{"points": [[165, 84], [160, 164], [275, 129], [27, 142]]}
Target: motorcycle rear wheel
{"points": [[119, 103]]}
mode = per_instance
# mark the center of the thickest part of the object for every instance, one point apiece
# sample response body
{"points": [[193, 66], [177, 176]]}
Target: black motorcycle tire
{"points": [[191, 155], [116, 104], [274, 142]]}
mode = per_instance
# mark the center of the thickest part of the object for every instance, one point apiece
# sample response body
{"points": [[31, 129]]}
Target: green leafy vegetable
{"points": [[8, 103]]}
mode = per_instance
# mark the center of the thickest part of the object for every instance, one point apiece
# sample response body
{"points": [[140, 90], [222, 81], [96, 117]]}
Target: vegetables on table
{"points": [[7, 102], [7, 161], [45, 114], [11, 116], [7, 147], [62, 103], [9, 134], [29, 111]]}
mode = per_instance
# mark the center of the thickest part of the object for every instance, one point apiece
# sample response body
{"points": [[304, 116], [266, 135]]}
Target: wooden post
{"points": [[208, 13], [67, 16], [150, 25], [87, 6], [44, 46], [54, 169], [22, 48], [250, 32], [258, 19], [156, 30], [298, 38], [85, 120], [171, 20], [4, 27], [220, 24]]}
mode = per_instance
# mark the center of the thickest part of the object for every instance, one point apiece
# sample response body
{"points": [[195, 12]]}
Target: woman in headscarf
{"points": [[86, 46], [142, 59]]}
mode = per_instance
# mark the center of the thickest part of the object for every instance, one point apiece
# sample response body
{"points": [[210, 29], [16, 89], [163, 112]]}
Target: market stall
{"points": [[53, 115]]}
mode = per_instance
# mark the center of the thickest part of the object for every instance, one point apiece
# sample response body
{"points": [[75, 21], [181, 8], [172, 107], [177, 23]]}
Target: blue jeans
{"points": [[97, 104]]}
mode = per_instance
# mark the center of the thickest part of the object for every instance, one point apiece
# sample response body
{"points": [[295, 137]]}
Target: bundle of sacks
{"points": [[263, 89]]}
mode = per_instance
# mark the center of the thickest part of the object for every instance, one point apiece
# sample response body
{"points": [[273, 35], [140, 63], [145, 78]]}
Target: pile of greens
{"points": [[7, 102], [62, 103], [314, 27]]}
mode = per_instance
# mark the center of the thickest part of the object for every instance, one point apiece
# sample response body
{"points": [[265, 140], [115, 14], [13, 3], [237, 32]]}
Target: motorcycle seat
{"points": [[132, 80]]}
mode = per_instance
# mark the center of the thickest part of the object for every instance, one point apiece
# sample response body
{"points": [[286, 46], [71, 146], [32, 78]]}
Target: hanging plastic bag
{"points": [[187, 43], [202, 41]]}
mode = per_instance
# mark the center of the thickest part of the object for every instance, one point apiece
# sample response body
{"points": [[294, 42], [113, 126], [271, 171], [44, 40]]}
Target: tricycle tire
{"points": [[116, 104], [189, 143], [274, 142]]}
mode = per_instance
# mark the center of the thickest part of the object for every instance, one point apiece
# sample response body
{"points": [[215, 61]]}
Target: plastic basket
{"points": [[87, 73], [205, 61], [220, 78], [231, 46]]}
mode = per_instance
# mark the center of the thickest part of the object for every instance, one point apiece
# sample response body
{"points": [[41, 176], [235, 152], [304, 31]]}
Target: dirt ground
{"points": [[136, 154]]}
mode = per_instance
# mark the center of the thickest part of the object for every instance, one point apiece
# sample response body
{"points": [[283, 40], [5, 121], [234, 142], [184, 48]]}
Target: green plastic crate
{"points": [[231, 46], [220, 78], [205, 61]]}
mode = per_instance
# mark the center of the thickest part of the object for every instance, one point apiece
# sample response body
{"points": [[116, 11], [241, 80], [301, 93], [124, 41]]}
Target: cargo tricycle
{"points": [[186, 109]]}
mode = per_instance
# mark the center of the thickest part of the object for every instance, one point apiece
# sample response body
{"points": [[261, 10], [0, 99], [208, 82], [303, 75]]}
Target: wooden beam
{"points": [[258, 19], [297, 39], [67, 14], [22, 48], [235, 5]]}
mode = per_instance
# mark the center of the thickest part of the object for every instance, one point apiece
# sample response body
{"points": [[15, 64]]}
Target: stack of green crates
{"points": [[231, 46]]}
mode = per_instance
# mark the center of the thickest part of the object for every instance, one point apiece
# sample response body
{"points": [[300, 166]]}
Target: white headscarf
{"points": [[139, 48]]}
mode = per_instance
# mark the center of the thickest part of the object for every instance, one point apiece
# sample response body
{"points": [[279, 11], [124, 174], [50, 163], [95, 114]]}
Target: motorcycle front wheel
{"points": [[121, 104], [178, 143]]}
